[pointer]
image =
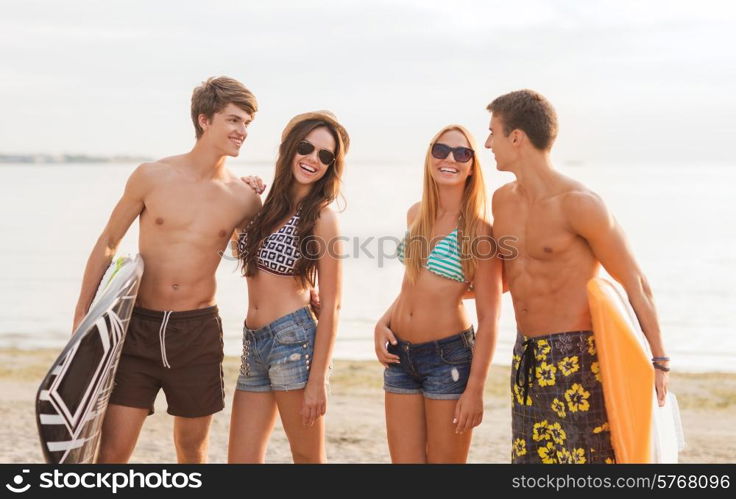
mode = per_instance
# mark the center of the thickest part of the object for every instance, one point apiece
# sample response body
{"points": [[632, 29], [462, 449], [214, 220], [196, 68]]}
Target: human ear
{"points": [[516, 136], [203, 121]]}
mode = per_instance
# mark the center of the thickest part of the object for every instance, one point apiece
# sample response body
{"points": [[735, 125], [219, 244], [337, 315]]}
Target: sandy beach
{"points": [[355, 421]]}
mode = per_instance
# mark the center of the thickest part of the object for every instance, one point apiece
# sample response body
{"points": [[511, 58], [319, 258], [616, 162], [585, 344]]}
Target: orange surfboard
{"points": [[626, 373]]}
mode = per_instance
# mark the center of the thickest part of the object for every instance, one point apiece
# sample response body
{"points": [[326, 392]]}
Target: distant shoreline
{"points": [[68, 158], [85, 159]]}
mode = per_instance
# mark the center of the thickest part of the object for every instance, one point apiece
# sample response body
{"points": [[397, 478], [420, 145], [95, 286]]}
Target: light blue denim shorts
{"points": [[277, 356]]}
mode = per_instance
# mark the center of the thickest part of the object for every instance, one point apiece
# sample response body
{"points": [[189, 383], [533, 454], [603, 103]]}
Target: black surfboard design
{"points": [[72, 398]]}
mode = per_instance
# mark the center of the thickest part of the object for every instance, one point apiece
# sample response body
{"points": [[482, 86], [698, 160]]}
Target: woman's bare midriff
{"points": [[271, 296], [429, 309]]}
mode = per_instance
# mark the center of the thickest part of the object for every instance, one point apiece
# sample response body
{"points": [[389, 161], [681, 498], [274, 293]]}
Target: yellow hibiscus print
{"points": [[564, 456], [578, 456], [548, 454], [569, 365], [601, 428], [559, 407], [520, 447], [519, 392], [596, 369], [591, 345], [557, 434], [543, 349], [610, 461], [540, 431], [546, 374], [517, 361], [577, 398]]}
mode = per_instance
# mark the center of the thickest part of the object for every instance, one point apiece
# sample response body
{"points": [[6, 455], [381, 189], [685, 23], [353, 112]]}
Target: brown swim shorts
{"points": [[180, 352]]}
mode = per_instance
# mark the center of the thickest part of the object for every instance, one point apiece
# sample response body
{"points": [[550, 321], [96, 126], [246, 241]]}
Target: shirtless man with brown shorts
{"points": [[188, 207], [563, 233]]}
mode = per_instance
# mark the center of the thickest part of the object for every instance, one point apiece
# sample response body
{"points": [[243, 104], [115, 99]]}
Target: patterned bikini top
{"points": [[444, 259], [279, 252]]}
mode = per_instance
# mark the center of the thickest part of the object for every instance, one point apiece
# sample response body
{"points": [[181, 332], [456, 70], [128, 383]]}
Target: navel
{"points": [[174, 287], [547, 249], [222, 233], [159, 221]]}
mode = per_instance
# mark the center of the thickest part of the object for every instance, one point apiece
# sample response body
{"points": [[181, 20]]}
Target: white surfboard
{"points": [[72, 399]]}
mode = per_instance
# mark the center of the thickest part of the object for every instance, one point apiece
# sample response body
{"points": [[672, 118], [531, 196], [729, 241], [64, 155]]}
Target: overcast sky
{"points": [[631, 81]]}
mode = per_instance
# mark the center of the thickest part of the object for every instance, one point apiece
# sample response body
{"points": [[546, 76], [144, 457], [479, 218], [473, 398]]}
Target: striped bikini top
{"points": [[444, 259], [279, 252]]}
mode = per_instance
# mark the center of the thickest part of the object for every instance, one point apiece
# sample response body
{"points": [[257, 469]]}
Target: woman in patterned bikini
{"points": [[435, 364], [287, 248]]}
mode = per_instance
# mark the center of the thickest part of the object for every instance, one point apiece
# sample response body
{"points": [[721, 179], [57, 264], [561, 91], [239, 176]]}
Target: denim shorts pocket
{"points": [[456, 353], [292, 334]]}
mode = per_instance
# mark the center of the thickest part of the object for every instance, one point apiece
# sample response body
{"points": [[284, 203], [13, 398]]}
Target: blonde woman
{"points": [[435, 362]]}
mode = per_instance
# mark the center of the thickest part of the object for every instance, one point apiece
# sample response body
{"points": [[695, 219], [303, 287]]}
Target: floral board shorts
{"points": [[558, 411]]}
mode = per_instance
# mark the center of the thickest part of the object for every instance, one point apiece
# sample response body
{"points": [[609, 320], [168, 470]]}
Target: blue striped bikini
{"points": [[444, 260]]}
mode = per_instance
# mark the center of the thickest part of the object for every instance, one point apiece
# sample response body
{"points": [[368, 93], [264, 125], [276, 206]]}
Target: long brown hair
{"points": [[279, 202], [472, 214]]}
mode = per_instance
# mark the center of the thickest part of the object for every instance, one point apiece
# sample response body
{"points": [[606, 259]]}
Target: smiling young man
{"points": [[187, 207], [563, 233]]}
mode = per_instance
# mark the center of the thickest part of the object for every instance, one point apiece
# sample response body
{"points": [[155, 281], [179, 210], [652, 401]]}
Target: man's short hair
{"points": [[213, 95], [530, 112]]}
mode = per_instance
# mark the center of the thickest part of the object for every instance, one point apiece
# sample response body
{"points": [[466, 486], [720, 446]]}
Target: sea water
{"points": [[678, 220]]}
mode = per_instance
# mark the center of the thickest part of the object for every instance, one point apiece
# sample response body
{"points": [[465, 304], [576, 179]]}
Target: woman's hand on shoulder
{"points": [[254, 182]]}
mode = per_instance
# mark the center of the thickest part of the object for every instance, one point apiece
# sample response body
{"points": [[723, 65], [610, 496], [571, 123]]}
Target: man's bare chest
{"points": [[538, 232], [202, 210]]}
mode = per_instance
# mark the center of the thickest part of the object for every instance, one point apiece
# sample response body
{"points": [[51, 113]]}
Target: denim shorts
{"points": [[276, 357], [436, 369]]}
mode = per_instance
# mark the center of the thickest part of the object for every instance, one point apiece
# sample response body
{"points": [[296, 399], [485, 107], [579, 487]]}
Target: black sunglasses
{"points": [[325, 156], [461, 154]]}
